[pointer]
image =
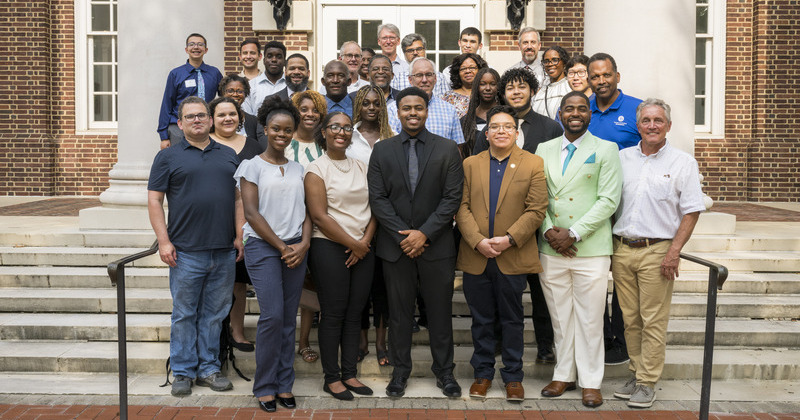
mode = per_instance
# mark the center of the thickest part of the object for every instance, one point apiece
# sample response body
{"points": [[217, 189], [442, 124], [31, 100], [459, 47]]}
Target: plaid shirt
{"points": [[442, 120]]}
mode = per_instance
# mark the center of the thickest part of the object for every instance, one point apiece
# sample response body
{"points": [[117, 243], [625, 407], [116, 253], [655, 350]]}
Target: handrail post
{"points": [[708, 343]]}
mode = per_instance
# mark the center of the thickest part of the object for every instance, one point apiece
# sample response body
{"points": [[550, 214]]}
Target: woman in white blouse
{"points": [[548, 99]]}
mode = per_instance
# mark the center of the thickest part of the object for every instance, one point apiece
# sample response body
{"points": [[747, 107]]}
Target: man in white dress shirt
{"points": [[271, 80], [661, 202], [529, 45], [388, 38]]}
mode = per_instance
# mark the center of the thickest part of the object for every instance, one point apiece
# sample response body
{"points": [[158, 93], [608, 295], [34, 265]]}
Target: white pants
{"points": [[576, 291]]}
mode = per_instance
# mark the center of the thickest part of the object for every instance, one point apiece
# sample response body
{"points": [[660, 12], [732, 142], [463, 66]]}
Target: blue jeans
{"points": [[278, 289], [202, 288]]}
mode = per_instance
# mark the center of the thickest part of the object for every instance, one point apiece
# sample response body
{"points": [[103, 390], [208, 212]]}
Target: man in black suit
{"points": [[518, 86], [415, 184]]}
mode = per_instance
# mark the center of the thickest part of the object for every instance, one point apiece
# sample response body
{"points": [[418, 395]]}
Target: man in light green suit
{"points": [[584, 183]]}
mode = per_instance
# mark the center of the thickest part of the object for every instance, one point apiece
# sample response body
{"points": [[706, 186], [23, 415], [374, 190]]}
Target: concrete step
{"points": [[141, 300], [149, 358], [72, 256], [745, 241], [72, 236], [749, 261], [152, 278], [156, 327]]}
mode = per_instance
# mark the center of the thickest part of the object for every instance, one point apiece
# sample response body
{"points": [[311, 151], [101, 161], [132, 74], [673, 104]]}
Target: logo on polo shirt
{"points": [[621, 118]]}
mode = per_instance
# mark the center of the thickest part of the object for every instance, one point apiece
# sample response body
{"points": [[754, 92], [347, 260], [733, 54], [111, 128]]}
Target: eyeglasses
{"points": [[579, 73], [234, 91], [196, 44], [191, 117], [553, 61], [508, 128], [423, 75], [466, 69], [351, 56], [336, 128], [414, 50], [389, 38], [381, 69]]}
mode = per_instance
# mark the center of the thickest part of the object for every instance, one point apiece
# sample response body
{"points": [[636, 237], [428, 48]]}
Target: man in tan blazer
{"points": [[504, 202]]}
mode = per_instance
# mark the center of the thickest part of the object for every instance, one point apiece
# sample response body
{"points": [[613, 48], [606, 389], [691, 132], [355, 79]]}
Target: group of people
{"points": [[392, 176]]}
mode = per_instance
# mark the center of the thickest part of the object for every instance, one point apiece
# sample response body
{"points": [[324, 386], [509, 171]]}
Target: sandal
{"points": [[362, 354], [383, 359], [308, 354]]}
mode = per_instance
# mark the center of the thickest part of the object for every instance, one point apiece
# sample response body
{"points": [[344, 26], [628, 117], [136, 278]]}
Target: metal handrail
{"points": [[116, 270], [717, 274]]}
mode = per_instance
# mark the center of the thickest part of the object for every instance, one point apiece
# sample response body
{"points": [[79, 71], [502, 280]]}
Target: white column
{"points": [[653, 43], [151, 39]]}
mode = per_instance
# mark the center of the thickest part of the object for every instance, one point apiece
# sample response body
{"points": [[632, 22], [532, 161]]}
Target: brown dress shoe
{"points": [[592, 397], [556, 388], [479, 388], [515, 392]]}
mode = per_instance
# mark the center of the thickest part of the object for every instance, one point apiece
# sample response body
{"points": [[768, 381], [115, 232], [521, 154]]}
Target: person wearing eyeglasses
{"points": [[199, 242], [548, 99], [414, 46], [462, 74], [195, 78], [578, 75], [442, 117], [236, 86], [340, 258], [380, 74], [498, 248], [388, 38]]}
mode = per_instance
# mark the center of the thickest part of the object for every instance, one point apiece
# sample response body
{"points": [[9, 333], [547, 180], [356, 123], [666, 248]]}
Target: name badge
{"points": [[190, 83]]}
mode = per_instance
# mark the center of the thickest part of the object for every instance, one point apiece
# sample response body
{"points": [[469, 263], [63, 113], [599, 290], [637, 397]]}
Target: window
{"points": [[709, 91], [96, 64], [442, 38]]}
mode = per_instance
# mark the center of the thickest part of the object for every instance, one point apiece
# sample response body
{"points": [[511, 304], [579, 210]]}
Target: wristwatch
{"points": [[511, 240], [572, 234]]}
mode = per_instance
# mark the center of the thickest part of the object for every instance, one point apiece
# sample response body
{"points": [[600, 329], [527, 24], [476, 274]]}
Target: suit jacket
{"points": [[535, 127], [283, 94], [433, 204], [521, 206], [586, 196], [254, 130]]}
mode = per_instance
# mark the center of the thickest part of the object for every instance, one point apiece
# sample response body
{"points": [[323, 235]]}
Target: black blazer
{"points": [[254, 130], [535, 127], [435, 200]]}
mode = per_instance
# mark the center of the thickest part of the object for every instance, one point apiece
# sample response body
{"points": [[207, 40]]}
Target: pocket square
{"points": [[591, 158]]}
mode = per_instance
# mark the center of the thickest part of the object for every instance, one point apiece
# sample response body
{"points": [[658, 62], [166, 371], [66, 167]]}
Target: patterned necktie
{"points": [[201, 85], [413, 164], [570, 151]]}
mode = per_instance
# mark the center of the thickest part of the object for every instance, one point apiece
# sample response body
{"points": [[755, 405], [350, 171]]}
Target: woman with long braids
{"points": [[484, 96]]}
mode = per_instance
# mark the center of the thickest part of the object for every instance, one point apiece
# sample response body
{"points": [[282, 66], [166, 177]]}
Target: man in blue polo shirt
{"points": [[335, 79], [195, 78], [196, 176], [613, 112], [613, 119]]}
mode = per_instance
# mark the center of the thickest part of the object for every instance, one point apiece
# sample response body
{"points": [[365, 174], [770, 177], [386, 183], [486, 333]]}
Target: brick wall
{"points": [[563, 26], [42, 155], [759, 157]]}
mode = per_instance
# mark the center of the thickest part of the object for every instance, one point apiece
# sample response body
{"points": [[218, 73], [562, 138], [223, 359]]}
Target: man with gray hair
{"points": [[529, 44], [442, 117], [661, 202], [350, 55], [388, 37], [413, 46]]}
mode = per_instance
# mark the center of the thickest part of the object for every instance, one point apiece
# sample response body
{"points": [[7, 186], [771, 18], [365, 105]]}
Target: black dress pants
{"points": [[542, 326], [434, 281], [342, 294]]}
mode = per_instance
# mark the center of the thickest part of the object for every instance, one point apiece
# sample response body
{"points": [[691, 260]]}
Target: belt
{"points": [[640, 243]]}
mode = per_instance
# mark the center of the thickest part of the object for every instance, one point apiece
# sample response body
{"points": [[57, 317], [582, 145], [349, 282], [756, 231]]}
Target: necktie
{"points": [[201, 85], [570, 151], [413, 164]]}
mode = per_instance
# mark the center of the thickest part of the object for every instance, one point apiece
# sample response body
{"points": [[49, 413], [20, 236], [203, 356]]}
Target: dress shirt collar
{"points": [[663, 149], [262, 78], [577, 142], [421, 136], [190, 68], [211, 144]]}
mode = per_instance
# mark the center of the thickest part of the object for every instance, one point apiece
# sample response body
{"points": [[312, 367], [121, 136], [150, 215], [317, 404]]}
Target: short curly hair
{"points": [[455, 68], [319, 101], [518, 74], [273, 105]]}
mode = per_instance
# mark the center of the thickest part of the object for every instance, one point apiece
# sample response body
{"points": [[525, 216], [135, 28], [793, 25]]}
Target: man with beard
{"points": [[195, 78], [584, 183], [442, 117], [529, 45], [271, 80], [297, 74], [336, 78], [613, 119], [518, 86], [380, 75]]}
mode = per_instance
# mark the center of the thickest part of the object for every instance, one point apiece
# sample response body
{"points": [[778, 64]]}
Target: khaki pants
{"points": [[645, 297]]}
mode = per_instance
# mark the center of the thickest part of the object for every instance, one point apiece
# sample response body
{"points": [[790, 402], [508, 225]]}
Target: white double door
{"points": [[439, 22]]}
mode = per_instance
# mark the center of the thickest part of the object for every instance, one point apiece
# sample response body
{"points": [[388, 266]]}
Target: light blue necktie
{"points": [[201, 85], [570, 151]]}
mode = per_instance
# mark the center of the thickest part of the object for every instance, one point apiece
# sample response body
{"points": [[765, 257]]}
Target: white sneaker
{"points": [[642, 397], [624, 392]]}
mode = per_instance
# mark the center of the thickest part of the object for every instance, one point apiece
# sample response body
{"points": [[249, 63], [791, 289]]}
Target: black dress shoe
{"points": [[287, 402], [545, 355], [616, 355], [360, 390], [344, 395], [268, 406], [449, 386], [396, 387]]}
